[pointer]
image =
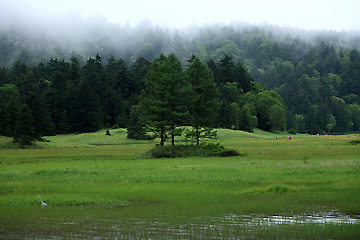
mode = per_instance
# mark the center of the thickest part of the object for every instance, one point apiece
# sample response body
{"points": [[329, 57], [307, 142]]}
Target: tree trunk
{"points": [[197, 135], [162, 137]]}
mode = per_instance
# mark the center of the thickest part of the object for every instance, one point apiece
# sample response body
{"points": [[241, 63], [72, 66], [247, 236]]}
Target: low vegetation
{"points": [[202, 150], [101, 186]]}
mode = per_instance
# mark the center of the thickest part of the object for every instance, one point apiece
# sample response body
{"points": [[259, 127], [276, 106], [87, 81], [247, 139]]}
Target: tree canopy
{"points": [[265, 77]]}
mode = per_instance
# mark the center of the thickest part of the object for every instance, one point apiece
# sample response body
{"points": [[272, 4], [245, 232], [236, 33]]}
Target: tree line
{"points": [[317, 74], [59, 97]]}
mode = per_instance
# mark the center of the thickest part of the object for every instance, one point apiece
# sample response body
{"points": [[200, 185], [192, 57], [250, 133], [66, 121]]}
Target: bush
{"points": [[162, 152], [212, 147], [292, 131], [205, 150], [229, 153], [355, 142]]}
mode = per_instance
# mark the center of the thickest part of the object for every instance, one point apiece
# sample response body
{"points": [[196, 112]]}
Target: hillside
{"points": [[316, 73]]}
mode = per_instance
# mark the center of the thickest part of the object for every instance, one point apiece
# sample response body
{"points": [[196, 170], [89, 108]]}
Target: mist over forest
{"points": [[315, 73], [32, 39]]}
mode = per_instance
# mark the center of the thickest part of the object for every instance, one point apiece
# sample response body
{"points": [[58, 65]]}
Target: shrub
{"points": [[281, 189], [212, 147], [355, 142], [206, 150], [229, 153], [162, 152], [292, 131]]}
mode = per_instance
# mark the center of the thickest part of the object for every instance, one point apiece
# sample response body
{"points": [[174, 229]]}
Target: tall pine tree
{"points": [[160, 103], [204, 101]]}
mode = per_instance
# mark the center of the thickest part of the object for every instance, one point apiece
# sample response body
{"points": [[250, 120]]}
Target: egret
{"points": [[42, 203]]}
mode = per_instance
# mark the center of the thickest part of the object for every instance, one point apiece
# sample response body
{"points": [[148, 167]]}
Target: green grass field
{"points": [[99, 186]]}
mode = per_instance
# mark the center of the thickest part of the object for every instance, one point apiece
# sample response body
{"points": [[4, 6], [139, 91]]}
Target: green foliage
{"points": [[315, 78], [271, 110], [135, 130], [24, 130], [292, 131], [92, 179], [355, 116], [161, 103], [202, 150], [196, 134], [277, 118], [203, 100], [213, 147], [299, 123], [355, 142]]}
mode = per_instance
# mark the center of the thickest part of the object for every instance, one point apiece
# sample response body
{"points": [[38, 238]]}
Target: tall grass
{"points": [[91, 179]]}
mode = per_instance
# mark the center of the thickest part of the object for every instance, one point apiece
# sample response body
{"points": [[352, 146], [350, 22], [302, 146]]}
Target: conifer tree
{"points": [[160, 103], [24, 130], [204, 101]]}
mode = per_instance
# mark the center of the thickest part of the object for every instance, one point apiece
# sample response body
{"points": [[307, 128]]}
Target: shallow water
{"points": [[332, 217], [221, 227]]}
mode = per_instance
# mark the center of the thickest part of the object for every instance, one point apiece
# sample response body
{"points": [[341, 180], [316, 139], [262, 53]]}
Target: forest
{"points": [[102, 75]]}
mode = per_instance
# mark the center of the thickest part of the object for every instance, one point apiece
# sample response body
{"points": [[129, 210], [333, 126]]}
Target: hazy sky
{"points": [[307, 14]]}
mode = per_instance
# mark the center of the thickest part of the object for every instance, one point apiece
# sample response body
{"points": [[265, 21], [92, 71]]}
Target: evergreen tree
{"points": [[134, 129], [242, 77], [226, 70], [9, 100], [86, 114], [138, 71], [204, 101], [161, 101], [9, 118], [24, 129]]}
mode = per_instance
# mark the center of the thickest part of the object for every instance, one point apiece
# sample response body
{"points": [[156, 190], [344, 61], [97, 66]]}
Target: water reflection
{"points": [[225, 227], [220, 227], [295, 219]]}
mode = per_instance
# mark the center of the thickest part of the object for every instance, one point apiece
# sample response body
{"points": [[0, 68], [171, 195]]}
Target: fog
{"points": [[306, 14], [39, 30]]}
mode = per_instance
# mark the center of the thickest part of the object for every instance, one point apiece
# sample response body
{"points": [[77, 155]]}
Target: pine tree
{"points": [[24, 130], [160, 102], [134, 129], [204, 100]]}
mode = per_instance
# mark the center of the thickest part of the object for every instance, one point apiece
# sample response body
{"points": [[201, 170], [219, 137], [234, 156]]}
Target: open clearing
{"points": [[99, 186]]}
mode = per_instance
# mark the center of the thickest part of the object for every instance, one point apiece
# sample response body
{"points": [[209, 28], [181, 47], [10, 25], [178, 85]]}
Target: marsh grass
{"points": [[101, 186]]}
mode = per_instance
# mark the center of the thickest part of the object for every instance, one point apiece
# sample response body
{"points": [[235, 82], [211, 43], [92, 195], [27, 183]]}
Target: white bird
{"points": [[42, 203]]}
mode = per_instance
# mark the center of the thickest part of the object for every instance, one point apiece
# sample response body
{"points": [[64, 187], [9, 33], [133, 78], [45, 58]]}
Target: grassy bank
{"points": [[97, 180]]}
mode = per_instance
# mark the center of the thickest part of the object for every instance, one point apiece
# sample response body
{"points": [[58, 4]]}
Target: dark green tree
{"points": [[134, 129], [204, 101], [264, 108], [138, 71], [355, 116], [248, 120], [277, 118], [242, 77], [24, 129], [161, 102]]}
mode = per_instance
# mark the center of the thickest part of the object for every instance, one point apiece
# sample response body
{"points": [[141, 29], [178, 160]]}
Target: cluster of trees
{"points": [[317, 74], [63, 97]]}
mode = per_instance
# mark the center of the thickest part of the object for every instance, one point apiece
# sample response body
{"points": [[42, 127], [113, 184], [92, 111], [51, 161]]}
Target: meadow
{"points": [[99, 186]]}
